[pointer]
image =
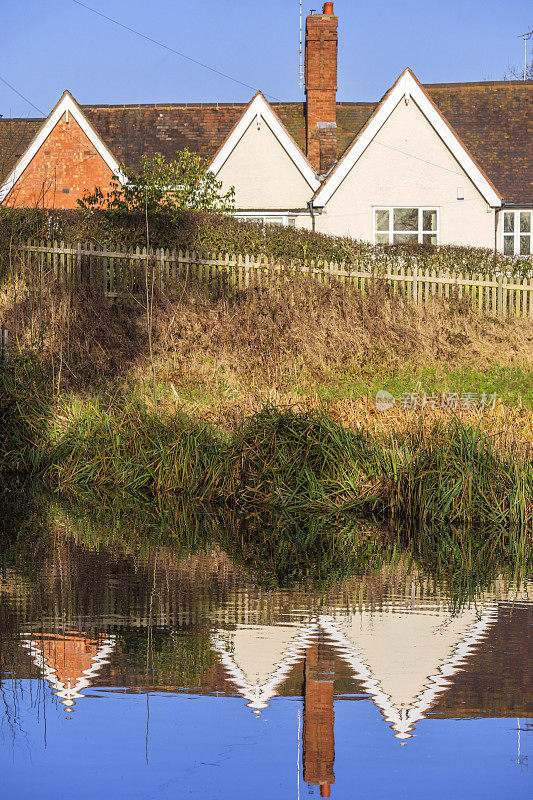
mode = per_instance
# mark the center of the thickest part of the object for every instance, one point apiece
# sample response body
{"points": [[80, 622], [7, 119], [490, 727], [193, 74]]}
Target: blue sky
{"points": [[55, 45]]}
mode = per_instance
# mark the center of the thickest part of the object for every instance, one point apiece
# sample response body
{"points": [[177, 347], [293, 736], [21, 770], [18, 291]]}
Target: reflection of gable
{"points": [[258, 658], [405, 660], [404, 657], [69, 662]]}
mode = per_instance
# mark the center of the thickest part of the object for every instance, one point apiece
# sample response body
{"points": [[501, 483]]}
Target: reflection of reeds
{"points": [[207, 551]]}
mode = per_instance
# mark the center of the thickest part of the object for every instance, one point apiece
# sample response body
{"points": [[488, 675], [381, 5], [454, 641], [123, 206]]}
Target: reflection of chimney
{"points": [[318, 738], [321, 88]]}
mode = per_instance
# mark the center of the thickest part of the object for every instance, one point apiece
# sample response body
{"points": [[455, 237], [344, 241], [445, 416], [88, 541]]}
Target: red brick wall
{"points": [[321, 89], [65, 160]]}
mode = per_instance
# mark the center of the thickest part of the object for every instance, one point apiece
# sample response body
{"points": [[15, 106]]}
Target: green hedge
{"points": [[215, 233]]}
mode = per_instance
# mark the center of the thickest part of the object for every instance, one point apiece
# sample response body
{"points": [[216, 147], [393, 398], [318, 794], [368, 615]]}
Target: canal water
{"points": [[150, 672]]}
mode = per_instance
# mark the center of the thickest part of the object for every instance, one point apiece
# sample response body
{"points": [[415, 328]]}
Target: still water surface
{"points": [[153, 675]]}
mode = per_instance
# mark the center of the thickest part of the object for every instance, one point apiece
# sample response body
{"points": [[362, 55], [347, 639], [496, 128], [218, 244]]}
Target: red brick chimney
{"points": [[321, 88]]}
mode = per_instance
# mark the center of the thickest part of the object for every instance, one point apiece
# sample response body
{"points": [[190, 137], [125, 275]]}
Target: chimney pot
{"points": [[328, 9]]}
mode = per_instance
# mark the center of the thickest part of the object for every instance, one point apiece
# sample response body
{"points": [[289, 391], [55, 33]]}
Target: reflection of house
{"points": [[258, 658], [404, 657], [396, 643], [69, 661]]}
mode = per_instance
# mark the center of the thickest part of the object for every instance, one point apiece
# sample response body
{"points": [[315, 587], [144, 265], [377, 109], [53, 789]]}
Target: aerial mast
{"points": [[301, 52], [525, 36]]}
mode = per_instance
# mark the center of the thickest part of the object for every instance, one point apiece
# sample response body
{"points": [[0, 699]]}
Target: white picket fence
{"points": [[121, 273]]}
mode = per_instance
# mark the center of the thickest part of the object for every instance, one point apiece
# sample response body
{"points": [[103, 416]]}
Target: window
{"points": [[406, 225], [517, 233], [269, 219]]}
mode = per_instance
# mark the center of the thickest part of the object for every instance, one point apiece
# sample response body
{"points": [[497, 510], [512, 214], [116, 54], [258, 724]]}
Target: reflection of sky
{"points": [[212, 747]]}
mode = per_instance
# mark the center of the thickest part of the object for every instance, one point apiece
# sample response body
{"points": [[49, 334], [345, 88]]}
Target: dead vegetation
{"points": [[226, 357]]}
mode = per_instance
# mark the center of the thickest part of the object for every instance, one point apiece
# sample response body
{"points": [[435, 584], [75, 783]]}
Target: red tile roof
{"points": [[495, 122], [493, 119]]}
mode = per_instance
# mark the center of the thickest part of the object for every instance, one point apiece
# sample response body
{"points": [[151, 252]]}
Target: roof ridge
{"points": [[161, 105], [478, 83]]}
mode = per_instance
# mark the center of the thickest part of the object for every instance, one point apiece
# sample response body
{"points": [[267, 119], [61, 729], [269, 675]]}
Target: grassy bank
{"points": [[430, 470], [224, 358], [265, 401]]}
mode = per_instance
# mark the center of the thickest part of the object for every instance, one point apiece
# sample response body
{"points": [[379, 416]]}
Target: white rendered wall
{"points": [[407, 164]]}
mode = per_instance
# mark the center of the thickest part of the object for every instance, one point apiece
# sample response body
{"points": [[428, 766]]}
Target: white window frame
{"points": [[516, 234], [420, 230], [265, 216]]}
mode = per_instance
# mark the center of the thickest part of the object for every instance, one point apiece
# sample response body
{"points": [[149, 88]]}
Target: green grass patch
{"points": [[513, 385]]}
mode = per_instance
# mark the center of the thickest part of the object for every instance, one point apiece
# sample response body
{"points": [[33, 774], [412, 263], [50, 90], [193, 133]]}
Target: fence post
{"points": [[415, 284], [78, 264], [161, 270], [500, 295]]}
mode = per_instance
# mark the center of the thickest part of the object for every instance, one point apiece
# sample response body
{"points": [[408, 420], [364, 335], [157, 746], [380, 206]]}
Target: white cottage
{"points": [[434, 163]]}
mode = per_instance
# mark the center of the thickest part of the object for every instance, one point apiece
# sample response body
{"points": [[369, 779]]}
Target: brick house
{"points": [[435, 163]]}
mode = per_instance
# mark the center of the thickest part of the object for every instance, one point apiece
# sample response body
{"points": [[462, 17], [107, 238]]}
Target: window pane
{"points": [[429, 220], [291, 222], [382, 220], [382, 238], [508, 245], [525, 245], [406, 219], [508, 221], [525, 221], [429, 238], [405, 238]]}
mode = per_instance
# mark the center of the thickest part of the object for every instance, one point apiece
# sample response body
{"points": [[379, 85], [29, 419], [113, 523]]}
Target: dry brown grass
{"points": [[223, 359], [332, 327]]}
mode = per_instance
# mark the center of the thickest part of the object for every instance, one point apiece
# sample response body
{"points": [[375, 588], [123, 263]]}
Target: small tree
{"points": [[164, 186], [517, 73]]}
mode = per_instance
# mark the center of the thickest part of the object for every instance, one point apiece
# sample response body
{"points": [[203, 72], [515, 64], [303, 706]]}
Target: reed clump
{"points": [[289, 460], [453, 473], [121, 445], [26, 411], [300, 462]]}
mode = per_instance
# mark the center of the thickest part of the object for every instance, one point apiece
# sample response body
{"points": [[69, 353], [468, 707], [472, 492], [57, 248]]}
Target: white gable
{"points": [[258, 658], [405, 659], [406, 89], [66, 106], [262, 161]]}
